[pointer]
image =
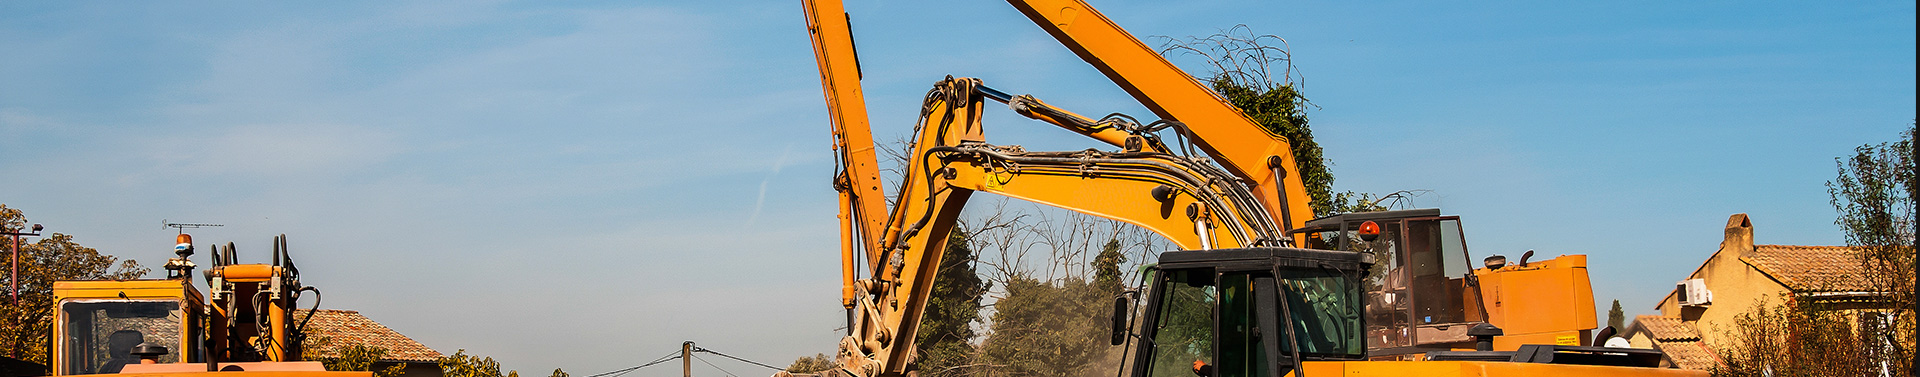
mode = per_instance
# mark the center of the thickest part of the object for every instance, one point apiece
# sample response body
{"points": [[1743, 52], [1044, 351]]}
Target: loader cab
{"points": [[97, 324], [1249, 312], [243, 322]]}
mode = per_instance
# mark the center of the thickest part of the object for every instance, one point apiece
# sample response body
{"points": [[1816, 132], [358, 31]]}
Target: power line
{"points": [[662, 359], [676, 355], [704, 361], [698, 349]]}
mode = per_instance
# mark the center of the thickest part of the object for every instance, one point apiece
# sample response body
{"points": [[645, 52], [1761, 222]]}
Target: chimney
{"points": [[1739, 235]]}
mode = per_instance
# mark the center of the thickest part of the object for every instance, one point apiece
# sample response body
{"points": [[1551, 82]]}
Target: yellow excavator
{"points": [[1260, 288], [244, 325]]}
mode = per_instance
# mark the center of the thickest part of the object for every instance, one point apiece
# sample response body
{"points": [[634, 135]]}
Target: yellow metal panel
{"points": [[252, 374], [248, 272], [134, 289], [1491, 369], [1539, 302]]}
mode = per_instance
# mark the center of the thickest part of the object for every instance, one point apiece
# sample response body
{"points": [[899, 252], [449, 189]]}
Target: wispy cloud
{"points": [[760, 200], [271, 150]]}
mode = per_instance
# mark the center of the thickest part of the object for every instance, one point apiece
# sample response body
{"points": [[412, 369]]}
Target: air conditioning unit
{"points": [[1693, 292]]}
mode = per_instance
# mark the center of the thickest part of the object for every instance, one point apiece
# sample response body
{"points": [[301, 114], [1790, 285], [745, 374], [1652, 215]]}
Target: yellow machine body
{"points": [[1479, 369], [222, 332], [891, 255], [88, 314], [1544, 302]]}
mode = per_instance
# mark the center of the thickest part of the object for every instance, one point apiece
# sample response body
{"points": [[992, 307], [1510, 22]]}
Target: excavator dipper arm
{"points": [[861, 202]]}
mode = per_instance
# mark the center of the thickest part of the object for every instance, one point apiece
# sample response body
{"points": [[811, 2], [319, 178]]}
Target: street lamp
{"points": [[14, 278]]}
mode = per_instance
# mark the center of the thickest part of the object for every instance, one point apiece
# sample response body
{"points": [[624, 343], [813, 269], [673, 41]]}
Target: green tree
{"points": [[1243, 70], [460, 364], [1106, 268], [946, 329], [351, 357], [1283, 111], [1874, 193], [810, 364], [1802, 336], [28, 328], [1256, 74], [1798, 338], [1051, 316], [1617, 317], [1047, 328]]}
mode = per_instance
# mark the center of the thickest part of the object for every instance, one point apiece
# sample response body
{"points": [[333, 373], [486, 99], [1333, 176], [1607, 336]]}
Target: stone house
{"points": [[338, 328], [1701, 311]]}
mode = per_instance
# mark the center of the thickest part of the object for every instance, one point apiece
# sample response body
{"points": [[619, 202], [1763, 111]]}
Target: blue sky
{"points": [[586, 184]]}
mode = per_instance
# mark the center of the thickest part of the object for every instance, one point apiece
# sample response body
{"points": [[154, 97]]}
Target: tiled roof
{"points": [[1667, 329], [347, 327], [1678, 339], [1810, 268], [1689, 354]]}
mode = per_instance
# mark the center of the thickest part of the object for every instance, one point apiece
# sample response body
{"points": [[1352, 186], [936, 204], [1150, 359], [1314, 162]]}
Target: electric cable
{"points": [[704, 361], [698, 349], [662, 359]]}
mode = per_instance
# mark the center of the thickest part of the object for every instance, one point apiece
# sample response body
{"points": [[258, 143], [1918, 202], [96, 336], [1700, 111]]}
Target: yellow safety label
{"points": [[1566, 340]]}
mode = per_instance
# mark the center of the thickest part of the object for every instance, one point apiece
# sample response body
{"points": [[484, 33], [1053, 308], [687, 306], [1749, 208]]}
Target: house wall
{"points": [[1640, 339], [1736, 286]]}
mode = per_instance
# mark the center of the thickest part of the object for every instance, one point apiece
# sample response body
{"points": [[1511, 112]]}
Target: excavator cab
{"points": [[1248, 312], [1273, 312], [1425, 293], [243, 323], [1421, 296]]}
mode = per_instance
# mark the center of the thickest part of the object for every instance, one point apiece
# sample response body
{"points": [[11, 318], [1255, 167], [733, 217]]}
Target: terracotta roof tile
{"points": [[1810, 268], [347, 327], [1689, 354], [1667, 329]]}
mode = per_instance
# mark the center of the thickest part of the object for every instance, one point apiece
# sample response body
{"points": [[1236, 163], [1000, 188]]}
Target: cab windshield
{"points": [[1208, 318], [101, 334], [1325, 307]]}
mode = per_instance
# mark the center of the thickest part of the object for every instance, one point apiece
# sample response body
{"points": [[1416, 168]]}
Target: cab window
{"points": [[101, 334], [1241, 354], [1324, 307]]}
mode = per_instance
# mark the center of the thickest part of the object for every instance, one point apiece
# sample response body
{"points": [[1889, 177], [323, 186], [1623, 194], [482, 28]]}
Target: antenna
{"points": [[182, 228]]}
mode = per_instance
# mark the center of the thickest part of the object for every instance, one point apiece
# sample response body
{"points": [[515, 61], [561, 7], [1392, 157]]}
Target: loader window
{"points": [[1184, 332], [101, 334]]}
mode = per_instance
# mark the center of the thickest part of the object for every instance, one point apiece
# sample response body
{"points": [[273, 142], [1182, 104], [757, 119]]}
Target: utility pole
{"points": [[686, 358], [13, 278]]}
